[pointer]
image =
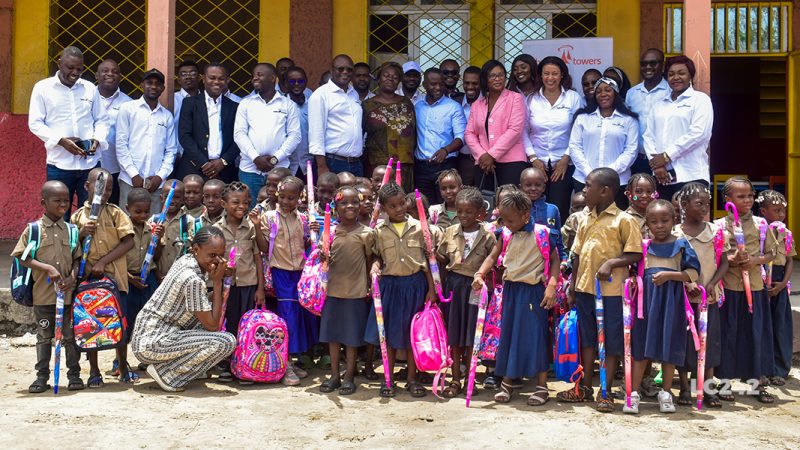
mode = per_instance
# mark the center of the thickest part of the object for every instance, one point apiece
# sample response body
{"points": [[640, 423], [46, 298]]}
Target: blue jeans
{"points": [[338, 166], [254, 182], [75, 181]]}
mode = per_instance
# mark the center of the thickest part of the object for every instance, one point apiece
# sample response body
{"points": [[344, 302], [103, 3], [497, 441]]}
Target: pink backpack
{"points": [[429, 344], [262, 350]]}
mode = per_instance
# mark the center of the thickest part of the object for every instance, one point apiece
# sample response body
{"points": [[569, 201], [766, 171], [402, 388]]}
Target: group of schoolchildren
{"points": [[519, 245]]}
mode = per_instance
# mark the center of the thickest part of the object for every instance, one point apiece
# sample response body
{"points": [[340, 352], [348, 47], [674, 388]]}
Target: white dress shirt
{"points": [[146, 143], [682, 130], [233, 97], [598, 141], [419, 94], [334, 122], [177, 104], [266, 129], [108, 158], [549, 125], [640, 101], [58, 111], [214, 108], [300, 157], [307, 92]]}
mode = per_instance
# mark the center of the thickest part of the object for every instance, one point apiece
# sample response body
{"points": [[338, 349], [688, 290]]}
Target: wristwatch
{"points": [[273, 161], [667, 158], [224, 163]]}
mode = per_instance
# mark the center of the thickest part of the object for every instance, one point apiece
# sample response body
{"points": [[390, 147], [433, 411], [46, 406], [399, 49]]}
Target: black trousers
{"points": [[559, 193], [506, 173], [425, 174], [45, 317], [620, 199], [465, 165], [641, 165]]}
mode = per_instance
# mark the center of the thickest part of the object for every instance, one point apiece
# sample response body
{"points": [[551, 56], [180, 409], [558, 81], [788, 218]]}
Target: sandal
{"points": [[114, 372], [387, 392], [765, 397], [725, 397], [95, 381], [369, 374], [130, 377], [504, 396], [684, 398], [539, 397], [416, 389], [348, 387], [604, 405], [712, 401], [578, 394], [490, 382], [76, 384], [330, 385], [453, 390], [39, 386], [777, 381]]}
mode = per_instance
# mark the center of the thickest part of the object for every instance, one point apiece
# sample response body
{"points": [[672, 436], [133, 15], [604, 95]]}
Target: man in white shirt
{"points": [[641, 97], [297, 79], [362, 81], [335, 136], [409, 84], [472, 91], [267, 130], [111, 98], [230, 94], [66, 114], [282, 66], [145, 142]]}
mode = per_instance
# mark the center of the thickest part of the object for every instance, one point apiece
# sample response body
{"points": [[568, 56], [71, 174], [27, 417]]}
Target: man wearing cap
{"points": [[335, 137], [145, 140], [409, 85], [66, 114], [111, 99]]}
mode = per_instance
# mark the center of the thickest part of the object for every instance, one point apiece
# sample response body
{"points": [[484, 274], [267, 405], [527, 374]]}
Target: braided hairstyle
{"points": [[771, 197], [236, 186], [339, 195], [389, 190], [687, 192], [472, 196], [449, 173], [517, 200], [635, 178], [205, 234], [730, 182], [504, 188], [291, 181]]}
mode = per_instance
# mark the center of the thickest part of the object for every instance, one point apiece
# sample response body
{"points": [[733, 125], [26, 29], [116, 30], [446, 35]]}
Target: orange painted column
{"points": [[161, 43], [697, 40]]}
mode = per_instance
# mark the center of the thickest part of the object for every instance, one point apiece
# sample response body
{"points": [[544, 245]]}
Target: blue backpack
{"points": [[21, 283], [567, 359]]}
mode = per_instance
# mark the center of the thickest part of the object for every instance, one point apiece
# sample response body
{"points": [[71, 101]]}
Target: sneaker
{"points": [[649, 388], [634, 408], [244, 382], [225, 375], [491, 382], [151, 370], [300, 372], [290, 378], [665, 402]]}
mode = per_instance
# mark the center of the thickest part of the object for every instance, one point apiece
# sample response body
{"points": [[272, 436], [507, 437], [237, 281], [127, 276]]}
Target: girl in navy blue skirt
{"points": [[529, 292], [405, 281], [661, 335], [747, 346]]}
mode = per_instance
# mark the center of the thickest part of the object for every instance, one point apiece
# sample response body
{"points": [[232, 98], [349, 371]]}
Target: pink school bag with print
{"points": [[429, 344], [262, 348]]}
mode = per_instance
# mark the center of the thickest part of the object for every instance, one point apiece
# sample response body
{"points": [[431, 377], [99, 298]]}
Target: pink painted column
{"points": [[161, 43], [697, 40]]}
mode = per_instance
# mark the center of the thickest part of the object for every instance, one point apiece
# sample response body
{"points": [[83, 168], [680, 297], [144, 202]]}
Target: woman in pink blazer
{"points": [[494, 131]]}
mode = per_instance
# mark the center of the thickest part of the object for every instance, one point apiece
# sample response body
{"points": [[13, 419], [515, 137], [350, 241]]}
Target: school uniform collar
{"points": [[48, 222], [281, 213], [528, 227], [482, 232], [634, 212], [410, 223], [705, 236], [223, 222], [612, 210]]}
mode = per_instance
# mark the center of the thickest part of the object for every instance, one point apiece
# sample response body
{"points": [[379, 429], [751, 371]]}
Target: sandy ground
{"points": [[214, 415]]}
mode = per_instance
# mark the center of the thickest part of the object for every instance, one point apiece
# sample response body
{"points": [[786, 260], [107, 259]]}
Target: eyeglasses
{"points": [[497, 76], [297, 82], [343, 69], [450, 73], [191, 74], [649, 63]]}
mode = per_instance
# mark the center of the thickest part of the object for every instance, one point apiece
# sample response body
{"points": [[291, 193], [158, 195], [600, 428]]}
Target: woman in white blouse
{"points": [[550, 111], [605, 134], [679, 130]]}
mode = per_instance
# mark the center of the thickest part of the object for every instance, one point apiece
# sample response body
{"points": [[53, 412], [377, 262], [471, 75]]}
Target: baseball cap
{"points": [[153, 73], [411, 65]]}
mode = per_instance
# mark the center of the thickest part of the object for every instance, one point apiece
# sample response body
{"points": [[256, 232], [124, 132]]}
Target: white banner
{"points": [[580, 54]]}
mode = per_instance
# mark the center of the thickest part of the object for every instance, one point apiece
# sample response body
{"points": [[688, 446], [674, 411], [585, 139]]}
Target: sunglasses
{"points": [[450, 73], [297, 82], [343, 69], [649, 63]]}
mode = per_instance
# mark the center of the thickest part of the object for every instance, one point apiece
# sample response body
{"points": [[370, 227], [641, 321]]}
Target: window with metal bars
{"points": [[225, 32], [101, 29], [737, 28]]}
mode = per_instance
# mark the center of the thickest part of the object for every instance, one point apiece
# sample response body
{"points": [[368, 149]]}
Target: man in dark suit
{"points": [[206, 130]]}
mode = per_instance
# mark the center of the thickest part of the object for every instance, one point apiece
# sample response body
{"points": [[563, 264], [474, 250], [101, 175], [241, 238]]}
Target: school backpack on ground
{"points": [[97, 319], [262, 348], [21, 283], [567, 361], [429, 344]]}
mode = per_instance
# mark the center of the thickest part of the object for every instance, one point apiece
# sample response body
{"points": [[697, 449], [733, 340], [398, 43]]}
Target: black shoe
{"points": [[75, 384], [39, 386]]}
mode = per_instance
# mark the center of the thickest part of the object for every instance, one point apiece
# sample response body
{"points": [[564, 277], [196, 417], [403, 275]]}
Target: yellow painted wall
{"points": [[620, 19], [481, 31], [30, 50], [793, 139], [350, 28], [273, 39]]}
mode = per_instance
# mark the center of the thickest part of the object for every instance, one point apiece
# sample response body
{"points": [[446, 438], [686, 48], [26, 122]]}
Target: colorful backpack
{"points": [[429, 344], [21, 284], [566, 359], [312, 287], [262, 349], [97, 319], [274, 223], [189, 226], [719, 247]]}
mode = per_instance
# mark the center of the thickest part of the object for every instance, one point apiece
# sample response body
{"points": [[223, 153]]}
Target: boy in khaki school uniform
{"points": [[113, 238], [55, 260], [172, 245]]}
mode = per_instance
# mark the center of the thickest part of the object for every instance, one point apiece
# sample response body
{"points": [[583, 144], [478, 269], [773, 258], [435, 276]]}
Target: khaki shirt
{"points": [[752, 242], [54, 249], [348, 273], [680, 261], [451, 246], [402, 254], [523, 261], [141, 241], [196, 212], [112, 226], [172, 242], [703, 245], [442, 219], [642, 223], [603, 236], [247, 254], [206, 220], [780, 257], [288, 251], [570, 227]]}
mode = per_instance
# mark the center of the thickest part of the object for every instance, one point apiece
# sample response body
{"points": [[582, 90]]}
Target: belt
{"points": [[343, 158]]}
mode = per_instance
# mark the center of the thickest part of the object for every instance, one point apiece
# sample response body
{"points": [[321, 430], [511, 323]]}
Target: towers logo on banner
{"points": [[579, 54]]}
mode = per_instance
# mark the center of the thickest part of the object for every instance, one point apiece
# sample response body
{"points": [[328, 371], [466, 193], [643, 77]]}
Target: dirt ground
{"points": [[214, 415]]}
